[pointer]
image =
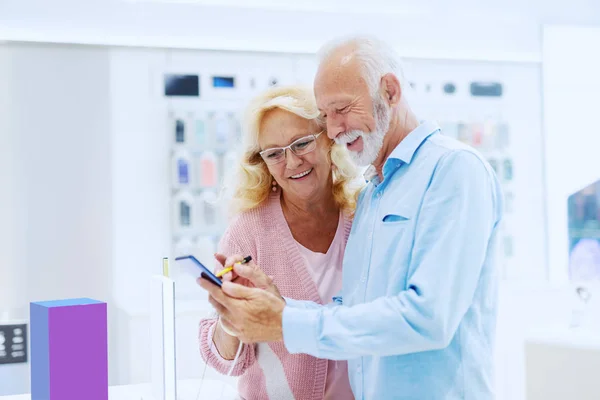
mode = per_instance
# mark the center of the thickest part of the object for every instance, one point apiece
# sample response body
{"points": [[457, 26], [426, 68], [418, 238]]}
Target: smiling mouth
{"points": [[348, 144], [301, 175]]}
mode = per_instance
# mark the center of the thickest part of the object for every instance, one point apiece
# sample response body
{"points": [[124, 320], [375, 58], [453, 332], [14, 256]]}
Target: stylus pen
{"points": [[226, 270]]}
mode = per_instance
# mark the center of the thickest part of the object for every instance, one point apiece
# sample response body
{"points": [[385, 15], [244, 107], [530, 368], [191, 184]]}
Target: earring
{"points": [[274, 185]]}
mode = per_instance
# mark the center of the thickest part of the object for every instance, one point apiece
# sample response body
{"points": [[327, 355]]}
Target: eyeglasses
{"points": [[299, 147]]}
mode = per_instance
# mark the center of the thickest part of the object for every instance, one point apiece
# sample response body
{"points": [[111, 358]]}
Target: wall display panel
{"points": [[205, 135], [494, 107]]}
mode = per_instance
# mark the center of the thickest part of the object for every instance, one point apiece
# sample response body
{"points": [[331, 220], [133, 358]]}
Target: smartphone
{"points": [[194, 267]]}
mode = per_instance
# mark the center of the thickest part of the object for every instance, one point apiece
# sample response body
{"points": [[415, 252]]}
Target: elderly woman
{"points": [[294, 202]]}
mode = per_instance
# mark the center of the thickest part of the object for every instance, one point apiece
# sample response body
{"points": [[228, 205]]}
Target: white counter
{"points": [[186, 390], [563, 364]]}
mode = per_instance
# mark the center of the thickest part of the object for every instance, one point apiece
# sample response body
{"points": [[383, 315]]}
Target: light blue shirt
{"points": [[418, 313]]}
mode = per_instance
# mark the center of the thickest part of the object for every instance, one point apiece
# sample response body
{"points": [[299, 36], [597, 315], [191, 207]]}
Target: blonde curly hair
{"points": [[253, 177]]}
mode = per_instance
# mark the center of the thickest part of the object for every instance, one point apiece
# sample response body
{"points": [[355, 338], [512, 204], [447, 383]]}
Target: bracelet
{"points": [[227, 331]]}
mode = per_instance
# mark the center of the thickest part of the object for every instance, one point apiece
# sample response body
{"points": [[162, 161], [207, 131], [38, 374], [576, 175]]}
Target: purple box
{"points": [[69, 350]]}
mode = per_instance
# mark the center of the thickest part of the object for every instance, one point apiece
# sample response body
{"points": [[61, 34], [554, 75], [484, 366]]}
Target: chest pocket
{"points": [[396, 214], [388, 219], [395, 228], [393, 240]]}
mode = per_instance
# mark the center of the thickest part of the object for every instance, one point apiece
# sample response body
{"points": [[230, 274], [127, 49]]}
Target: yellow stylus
{"points": [[226, 270]]}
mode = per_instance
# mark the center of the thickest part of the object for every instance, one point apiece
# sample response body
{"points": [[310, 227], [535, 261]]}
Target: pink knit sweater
{"points": [[264, 234]]}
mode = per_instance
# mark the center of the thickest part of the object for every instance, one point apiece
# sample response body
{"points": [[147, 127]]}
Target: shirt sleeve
{"points": [[440, 287], [307, 304]]}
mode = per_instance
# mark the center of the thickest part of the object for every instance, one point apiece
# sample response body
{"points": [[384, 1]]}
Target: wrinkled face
{"points": [[353, 118], [302, 176]]}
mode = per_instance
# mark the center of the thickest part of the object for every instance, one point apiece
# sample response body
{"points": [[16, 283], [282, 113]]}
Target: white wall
{"points": [[56, 142], [13, 273], [455, 29], [443, 31], [12, 262], [572, 143], [139, 176], [60, 110]]}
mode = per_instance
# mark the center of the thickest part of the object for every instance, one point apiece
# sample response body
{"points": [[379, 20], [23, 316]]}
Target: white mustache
{"points": [[348, 137]]}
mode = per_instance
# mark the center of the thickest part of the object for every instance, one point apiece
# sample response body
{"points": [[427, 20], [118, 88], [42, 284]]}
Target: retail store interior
{"points": [[93, 141]]}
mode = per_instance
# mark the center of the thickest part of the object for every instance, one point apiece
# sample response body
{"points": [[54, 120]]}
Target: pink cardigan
{"points": [[264, 234]]}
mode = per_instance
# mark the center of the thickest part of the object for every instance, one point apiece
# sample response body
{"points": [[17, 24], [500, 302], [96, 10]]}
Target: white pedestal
{"points": [[162, 325]]}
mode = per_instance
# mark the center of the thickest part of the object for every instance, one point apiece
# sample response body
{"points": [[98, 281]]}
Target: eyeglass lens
{"points": [[299, 147]]}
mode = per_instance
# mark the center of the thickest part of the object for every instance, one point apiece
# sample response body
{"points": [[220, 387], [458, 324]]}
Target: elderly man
{"points": [[417, 313]]}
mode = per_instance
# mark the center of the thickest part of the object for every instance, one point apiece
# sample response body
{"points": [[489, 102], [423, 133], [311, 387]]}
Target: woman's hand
{"points": [[249, 275]]}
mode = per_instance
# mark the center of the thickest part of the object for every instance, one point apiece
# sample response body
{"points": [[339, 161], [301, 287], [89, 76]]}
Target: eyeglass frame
{"points": [[289, 146]]}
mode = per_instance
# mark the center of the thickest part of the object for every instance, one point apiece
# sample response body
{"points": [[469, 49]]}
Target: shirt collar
{"points": [[370, 173], [407, 147]]}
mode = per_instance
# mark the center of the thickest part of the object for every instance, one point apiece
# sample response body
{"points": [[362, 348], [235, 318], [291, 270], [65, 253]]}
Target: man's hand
{"points": [[254, 314], [227, 262], [249, 275]]}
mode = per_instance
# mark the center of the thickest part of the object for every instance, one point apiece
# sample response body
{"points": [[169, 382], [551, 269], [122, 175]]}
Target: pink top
{"points": [[268, 370], [326, 272]]}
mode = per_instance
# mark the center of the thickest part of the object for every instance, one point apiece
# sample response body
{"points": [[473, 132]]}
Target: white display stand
{"points": [[162, 325]]}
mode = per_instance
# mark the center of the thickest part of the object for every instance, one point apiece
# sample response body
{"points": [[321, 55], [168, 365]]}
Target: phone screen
{"points": [[191, 265]]}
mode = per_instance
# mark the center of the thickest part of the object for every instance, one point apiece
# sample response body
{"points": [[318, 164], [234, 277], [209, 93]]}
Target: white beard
{"points": [[372, 141]]}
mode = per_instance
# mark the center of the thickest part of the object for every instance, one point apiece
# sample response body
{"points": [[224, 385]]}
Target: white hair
{"points": [[376, 57]]}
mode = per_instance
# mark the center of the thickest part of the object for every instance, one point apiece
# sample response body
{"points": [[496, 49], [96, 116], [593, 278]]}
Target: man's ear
{"points": [[392, 91]]}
